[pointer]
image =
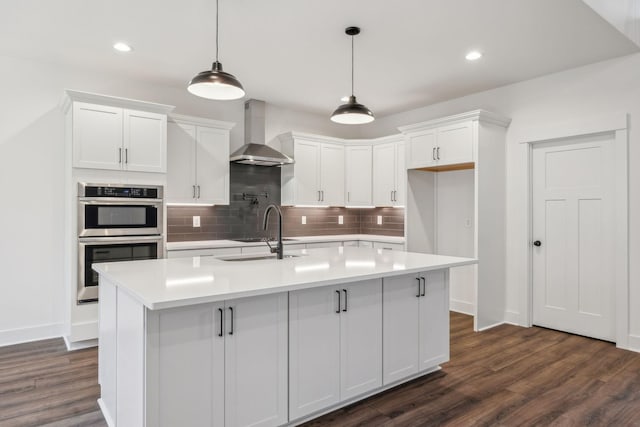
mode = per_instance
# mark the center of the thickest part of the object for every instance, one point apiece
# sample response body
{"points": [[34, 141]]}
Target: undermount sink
{"points": [[253, 257]]}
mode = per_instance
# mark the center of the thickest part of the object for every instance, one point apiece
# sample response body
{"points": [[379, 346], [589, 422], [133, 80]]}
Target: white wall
{"points": [[32, 164], [601, 88]]}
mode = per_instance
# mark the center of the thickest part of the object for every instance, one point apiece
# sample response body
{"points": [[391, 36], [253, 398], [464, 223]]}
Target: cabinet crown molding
{"points": [[71, 96], [201, 121], [479, 115], [290, 136]]}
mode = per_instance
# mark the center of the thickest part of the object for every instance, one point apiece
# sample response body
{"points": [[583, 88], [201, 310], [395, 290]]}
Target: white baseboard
{"points": [[491, 326], [82, 331], [462, 307], [512, 318], [32, 333], [633, 343], [79, 345], [105, 413]]}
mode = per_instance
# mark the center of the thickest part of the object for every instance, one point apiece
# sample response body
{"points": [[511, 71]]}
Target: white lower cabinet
{"points": [[415, 324], [220, 364], [335, 343]]}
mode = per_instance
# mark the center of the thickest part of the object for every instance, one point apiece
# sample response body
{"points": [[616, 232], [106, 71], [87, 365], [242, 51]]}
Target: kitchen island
{"points": [[205, 341]]}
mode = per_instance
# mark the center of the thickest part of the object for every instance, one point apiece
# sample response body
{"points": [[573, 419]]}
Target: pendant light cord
{"points": [[217, 30], [351, 65]]}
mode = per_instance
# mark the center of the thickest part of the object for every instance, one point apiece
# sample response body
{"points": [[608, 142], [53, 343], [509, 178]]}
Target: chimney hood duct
{"points": [[255, 151]]}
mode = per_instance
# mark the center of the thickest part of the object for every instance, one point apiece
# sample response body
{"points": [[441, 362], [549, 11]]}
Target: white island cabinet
{"points": [[204, 341]]}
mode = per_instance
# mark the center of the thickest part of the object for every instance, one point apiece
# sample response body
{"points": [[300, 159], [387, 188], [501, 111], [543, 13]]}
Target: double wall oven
{"points": [[116, 223]]}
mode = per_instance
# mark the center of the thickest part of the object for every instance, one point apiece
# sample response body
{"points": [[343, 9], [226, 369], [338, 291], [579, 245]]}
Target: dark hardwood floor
{"points": [[506, 376]]}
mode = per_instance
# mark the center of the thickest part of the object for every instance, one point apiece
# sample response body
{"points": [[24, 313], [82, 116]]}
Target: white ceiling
{"points": [[294, 53]]}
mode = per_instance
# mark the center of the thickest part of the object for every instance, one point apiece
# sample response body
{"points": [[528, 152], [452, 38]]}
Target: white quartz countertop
{"points": [[175, 282], [210, 244]]}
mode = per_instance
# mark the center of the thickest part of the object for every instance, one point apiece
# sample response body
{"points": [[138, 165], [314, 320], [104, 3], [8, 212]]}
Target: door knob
{"points": [[537, 243]]}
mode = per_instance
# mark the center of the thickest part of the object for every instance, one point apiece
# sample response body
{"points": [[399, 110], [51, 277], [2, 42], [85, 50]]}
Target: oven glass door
{"points": [[98, 251], [117, 219]]}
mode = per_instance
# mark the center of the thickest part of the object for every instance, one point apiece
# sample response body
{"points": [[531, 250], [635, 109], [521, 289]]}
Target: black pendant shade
{"points": [[352, 113], [216, 84]]}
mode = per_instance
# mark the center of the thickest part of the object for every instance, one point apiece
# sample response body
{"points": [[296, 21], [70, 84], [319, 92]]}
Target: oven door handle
{"points": [[119, 239], [118, 201]]}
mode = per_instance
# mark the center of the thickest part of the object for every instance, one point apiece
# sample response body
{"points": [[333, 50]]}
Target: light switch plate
{"points": [[304, 219], [196, 220], [340, 219], [379, 219]]}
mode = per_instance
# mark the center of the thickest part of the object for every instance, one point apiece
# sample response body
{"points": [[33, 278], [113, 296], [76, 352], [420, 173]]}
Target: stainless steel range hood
{"points": [[255, 151]]}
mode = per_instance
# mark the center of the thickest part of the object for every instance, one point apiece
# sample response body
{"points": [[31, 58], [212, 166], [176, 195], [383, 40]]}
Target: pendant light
{"points": [[352, 113], [215, 83]]}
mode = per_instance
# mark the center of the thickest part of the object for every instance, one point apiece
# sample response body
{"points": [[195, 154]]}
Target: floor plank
{"points": [[503, 377]]}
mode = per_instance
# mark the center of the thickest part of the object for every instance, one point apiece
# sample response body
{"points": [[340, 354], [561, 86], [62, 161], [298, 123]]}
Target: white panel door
{"points": [[422, 149], [256, 361], [145, 141], [361, 338], [307, 172], [358, 175], [181, 163], [97, 136], [455, 144], [573, 221], [384, 174], [314, 350], [434, 319], [332, 175], [212, 166], [400, 327], [185, 355]]}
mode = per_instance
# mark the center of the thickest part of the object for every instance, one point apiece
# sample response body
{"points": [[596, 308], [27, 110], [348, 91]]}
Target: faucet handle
{"points": [[271, 248]]}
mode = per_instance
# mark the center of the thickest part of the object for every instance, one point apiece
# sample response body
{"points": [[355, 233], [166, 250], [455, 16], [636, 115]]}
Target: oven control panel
{"points": [[127, 192]]}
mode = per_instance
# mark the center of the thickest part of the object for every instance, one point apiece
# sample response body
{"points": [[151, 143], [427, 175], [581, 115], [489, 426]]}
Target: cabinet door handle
{"points": [[438, 153], [231, 330], [221, 312], [198, 191], [126, 155], [433, 154], [322, 192], [345, 300], [318, 195], [194, 191], [395, 195], [119, 155], [419, 288], [339, 302], [424, 286]]}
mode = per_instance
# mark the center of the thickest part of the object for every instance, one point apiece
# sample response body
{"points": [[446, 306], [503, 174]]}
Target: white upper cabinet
{"points": [[198, 165], [317, 176], [116, 133], [441, 143], [389, 174], [358, 171]]}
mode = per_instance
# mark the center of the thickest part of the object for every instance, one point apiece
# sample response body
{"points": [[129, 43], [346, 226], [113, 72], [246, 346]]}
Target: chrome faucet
{"points": [[279, 248]]}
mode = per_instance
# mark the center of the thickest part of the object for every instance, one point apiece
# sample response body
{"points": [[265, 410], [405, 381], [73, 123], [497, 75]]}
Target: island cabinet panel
{"points": [[335, 344], [220, 364], [416, 309], [256, 361], [185, 366]]}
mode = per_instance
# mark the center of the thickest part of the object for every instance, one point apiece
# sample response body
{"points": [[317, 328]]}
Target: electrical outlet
{"points": [[196, 220], [304, 219], [340, 219], [379, 219]]}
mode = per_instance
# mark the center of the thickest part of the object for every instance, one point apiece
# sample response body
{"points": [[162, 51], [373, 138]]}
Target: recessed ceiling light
{"points": [[473, 55], [122, 47]]}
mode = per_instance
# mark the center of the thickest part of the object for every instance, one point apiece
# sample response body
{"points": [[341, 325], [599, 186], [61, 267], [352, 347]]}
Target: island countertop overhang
{"points": [[167, 283]]}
